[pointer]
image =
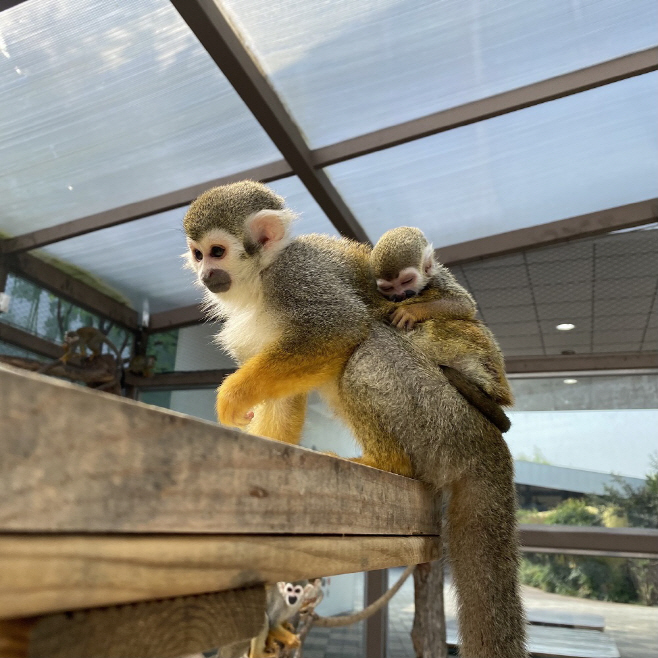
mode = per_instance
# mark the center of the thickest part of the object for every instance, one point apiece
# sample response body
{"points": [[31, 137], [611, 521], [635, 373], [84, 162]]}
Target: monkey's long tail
{"points": [[483, 547], [475, 396]]}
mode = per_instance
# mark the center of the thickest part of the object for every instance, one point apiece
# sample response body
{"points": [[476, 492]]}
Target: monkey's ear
{"points": [[428, 260], [269, 227]]}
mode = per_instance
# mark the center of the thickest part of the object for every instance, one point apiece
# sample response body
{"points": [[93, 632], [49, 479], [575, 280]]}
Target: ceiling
{"points": [[113, 104]]}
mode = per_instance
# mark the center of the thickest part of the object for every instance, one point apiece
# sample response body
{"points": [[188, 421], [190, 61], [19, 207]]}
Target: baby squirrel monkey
{"points": [[422, 290]]}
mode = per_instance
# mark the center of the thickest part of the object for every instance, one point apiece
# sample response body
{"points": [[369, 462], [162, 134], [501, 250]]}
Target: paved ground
{"points": [[634, 628]]}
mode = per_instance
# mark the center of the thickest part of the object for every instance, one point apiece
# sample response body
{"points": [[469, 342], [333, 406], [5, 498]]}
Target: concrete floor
{"points": [[634, 628]]}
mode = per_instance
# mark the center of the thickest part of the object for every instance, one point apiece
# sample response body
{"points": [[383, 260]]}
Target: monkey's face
{"points": [[225, 262], [292, 594], [212, 258], [408, 283]]}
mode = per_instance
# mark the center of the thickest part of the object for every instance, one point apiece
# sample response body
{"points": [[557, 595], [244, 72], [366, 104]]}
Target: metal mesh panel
{"points": [[44, 314], [11, 350]]}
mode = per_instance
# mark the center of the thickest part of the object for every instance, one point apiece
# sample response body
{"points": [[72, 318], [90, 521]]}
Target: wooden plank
{"points": [[555, 642], [54, 573], [565, 619], [158, 629], [79, 460]]}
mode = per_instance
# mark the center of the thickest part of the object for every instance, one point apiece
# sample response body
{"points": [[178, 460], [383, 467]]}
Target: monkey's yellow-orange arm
{"points": [[275, 373]]}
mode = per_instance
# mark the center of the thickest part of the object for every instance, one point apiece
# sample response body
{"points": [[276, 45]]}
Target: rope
{"points": [[346, 620]]}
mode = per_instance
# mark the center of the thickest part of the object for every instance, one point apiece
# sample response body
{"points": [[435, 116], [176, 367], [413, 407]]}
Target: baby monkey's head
{"points": [[402, 262]]}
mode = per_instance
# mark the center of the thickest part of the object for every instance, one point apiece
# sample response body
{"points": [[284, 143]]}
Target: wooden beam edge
{"points": [[43, 574]]}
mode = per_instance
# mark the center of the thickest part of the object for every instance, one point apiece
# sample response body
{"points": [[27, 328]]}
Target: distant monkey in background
{"points": [[422, 290], [284, 601], [83, 339], [304, 314]]}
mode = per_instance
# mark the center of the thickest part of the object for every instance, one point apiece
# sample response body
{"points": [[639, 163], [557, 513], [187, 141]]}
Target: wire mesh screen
{"points": [[7, 349], [44, 314]]}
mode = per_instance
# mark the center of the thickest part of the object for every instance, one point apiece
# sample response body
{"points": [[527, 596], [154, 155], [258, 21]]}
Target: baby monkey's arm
{"points": [[432, 304]]}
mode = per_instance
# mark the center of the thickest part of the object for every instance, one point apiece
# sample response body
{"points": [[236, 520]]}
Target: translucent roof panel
{"points": [[571, 156], [346, 68], [107, 103], [311, 218], [142, 259]]}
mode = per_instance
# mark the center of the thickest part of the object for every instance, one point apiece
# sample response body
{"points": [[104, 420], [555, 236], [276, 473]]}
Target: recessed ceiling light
{"points": [[70, 187], [566, 326], [570, 381]]}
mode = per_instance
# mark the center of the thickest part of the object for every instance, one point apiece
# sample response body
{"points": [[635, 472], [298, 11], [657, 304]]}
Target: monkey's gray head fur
{"points": [[396, 250], [228, 206]]}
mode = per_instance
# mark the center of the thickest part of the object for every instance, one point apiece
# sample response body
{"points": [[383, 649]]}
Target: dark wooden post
{"points": [[376, 627], [429, 630]]}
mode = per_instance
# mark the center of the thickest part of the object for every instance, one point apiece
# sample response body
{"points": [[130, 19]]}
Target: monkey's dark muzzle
{"points": [[217, 280], [400, 298]]}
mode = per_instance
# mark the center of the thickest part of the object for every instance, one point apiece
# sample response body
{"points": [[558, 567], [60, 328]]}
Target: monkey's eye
{"points": [[385, 287], [217, 252], [407, 280], [197, 254]]}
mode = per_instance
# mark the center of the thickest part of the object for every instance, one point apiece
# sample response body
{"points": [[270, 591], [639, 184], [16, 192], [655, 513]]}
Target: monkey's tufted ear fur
{"points": [[270, 228], [429, 260]]}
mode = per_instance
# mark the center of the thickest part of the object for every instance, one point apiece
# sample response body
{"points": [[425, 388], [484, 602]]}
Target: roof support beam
{"points": [[542, 235], [138, 210], [64, 285], [221, 42], [493, 106], [176, 318], [583, 364]]}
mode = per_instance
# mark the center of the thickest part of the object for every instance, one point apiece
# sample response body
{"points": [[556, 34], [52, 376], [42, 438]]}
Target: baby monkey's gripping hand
{"points": [[408, 313]]}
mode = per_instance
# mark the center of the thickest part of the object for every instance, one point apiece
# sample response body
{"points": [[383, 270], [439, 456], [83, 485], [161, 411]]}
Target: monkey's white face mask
{"points": [[227, 265]]}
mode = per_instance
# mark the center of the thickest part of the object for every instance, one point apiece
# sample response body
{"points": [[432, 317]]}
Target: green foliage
{"points": [[574, 511], [538, 457], [607, 579], [639, 506], [163, 347]]}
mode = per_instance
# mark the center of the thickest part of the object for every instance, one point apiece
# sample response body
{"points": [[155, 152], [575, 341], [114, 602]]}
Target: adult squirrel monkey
{"points": [[421, 290], [303, 314], [85, 338]]}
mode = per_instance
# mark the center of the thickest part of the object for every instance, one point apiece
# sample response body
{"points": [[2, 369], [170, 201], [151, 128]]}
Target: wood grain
{"points": [[57, 573], [158, 629], [79, 460]]}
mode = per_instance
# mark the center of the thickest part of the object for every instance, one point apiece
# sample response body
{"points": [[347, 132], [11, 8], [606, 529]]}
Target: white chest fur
{"points": [[248, 330]]}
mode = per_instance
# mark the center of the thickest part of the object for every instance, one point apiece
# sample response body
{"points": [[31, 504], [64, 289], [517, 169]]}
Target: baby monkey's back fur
{"points": [[450, 332], [404, 413]]}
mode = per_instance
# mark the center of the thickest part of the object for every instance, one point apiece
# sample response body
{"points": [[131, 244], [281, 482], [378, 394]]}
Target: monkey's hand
{"points": [[234, 403], [405, 317]]}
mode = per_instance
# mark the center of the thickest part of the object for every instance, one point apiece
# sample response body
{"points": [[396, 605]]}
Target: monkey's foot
{"points": [[399, 464]]}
